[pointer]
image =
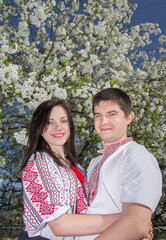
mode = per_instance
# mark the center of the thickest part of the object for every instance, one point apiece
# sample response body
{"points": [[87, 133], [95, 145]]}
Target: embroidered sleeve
{"points": [[43, 192]]}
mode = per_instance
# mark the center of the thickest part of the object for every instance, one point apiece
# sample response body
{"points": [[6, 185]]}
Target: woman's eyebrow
{"points": [[61, 118]]}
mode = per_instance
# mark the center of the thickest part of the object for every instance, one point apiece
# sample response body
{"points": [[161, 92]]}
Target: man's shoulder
{"points": [[135, 146], [137, 151]]}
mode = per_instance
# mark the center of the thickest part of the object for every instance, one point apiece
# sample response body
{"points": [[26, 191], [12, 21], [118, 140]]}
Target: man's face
{"points": [[110, 122]]}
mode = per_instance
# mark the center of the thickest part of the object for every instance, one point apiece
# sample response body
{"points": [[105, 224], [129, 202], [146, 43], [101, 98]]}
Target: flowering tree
{"points": [[72, 49]]}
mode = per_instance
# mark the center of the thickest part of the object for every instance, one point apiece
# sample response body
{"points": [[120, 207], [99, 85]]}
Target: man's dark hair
{"points": [[114, 95]]}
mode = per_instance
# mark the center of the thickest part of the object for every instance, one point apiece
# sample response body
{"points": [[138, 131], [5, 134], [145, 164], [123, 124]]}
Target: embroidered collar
{"points": [[108, 148], [108, 151]]}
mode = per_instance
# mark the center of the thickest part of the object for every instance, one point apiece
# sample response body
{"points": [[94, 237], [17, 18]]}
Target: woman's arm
{"points": [[80, 225]]}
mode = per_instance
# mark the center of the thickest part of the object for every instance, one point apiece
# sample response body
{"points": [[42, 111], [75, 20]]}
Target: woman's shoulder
{"points": [[40, 155], [38, 158]]}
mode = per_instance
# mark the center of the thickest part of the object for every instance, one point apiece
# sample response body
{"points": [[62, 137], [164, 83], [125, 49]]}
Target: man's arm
{"points": [[133, 225]]}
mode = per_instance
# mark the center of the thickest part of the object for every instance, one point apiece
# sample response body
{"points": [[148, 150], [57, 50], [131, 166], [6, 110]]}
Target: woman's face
{"points": [[57, 132]]}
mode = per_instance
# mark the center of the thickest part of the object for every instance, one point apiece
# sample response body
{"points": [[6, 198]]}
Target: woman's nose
{"points": [[57, 126]]}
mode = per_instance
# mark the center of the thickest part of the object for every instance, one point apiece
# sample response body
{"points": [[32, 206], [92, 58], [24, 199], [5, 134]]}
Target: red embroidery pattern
{"points": [[94, 177], [76, 194], [78, 174], [47, 189]]}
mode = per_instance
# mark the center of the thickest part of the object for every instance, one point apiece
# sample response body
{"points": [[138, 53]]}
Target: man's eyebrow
{"points": [[112, 111]]}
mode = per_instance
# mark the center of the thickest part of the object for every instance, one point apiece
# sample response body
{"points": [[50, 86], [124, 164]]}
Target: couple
{"points": [[124, 182]]}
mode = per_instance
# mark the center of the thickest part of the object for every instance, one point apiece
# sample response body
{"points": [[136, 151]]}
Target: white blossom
{"points": [[56, 50], [21, 137]]}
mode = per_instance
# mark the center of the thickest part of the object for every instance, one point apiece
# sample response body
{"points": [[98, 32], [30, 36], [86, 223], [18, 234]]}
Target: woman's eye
{"points": [[50, 122], [64, 121]]}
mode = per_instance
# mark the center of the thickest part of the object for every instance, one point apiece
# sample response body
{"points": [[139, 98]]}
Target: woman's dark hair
{"points": [[115, 95], [38, 123]]}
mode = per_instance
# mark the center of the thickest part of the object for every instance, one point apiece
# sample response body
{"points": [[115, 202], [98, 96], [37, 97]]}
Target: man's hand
{"points": [[134, 224], [150, 234]]}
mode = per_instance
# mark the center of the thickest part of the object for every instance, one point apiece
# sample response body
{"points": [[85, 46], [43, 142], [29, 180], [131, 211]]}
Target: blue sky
{"points": [[150, 11]]}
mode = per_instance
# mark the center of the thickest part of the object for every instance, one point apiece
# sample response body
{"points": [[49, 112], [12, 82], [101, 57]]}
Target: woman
{"points": [[54, 190]]}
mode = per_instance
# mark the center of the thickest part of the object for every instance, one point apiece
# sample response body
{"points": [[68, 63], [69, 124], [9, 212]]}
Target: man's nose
{"points": [[104, 120]]}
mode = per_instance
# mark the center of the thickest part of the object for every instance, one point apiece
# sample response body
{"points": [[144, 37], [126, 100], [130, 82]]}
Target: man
{"points": [[126, 178]]}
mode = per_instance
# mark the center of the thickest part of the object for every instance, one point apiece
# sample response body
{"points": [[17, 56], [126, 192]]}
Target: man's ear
{"points": [[130, 117]]}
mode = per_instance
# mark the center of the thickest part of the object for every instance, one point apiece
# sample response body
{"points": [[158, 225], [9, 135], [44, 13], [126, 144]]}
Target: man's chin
{"points": [[106, 140]]}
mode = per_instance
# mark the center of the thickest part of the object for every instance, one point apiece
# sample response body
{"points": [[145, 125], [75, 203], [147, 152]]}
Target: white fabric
{"points": [[131, 174]]}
